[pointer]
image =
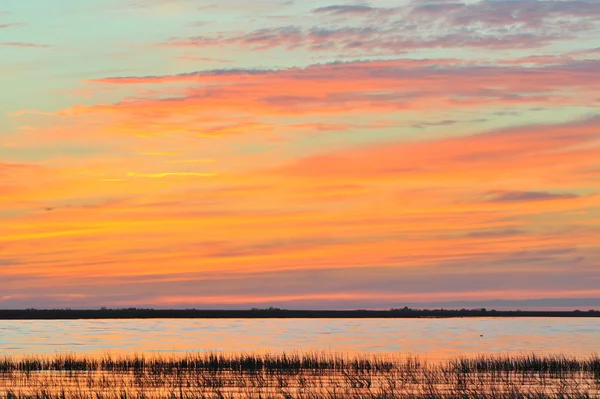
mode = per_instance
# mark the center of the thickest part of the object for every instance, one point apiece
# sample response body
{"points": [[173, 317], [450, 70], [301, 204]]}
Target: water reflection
{"points": [[435, 339]]}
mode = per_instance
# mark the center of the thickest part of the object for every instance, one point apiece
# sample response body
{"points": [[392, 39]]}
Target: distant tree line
{"points": [[274, 312]]}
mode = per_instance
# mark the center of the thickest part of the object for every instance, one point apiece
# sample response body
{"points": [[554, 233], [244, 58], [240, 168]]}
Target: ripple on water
{"points": [[433, 338]]}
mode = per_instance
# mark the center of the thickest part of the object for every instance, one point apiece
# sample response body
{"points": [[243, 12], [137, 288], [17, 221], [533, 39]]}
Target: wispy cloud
{"points": [[24, 45], [515, 196], [171, 174], [365, 87], [11, 25], [496, 233], [203, 59], [345, 9], [369, 40], [531, 13], [493, 24]]}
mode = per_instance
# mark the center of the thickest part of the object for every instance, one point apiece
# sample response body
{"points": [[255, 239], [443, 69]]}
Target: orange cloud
{"points": [[297, 185], [401, 206], [250, 102]]}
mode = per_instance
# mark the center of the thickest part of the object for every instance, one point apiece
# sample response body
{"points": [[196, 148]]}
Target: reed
{"points": [[298, 376], [197, 361]]}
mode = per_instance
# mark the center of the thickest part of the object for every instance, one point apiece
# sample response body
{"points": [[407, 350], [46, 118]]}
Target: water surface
{"points": [[435, 339]]}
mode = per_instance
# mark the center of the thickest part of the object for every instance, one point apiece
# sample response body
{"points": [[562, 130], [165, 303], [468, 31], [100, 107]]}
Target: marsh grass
{"points": [[298, 376]]}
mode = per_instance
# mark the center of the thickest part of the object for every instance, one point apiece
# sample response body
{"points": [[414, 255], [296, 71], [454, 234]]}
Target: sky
{"points": [[299, 154]]}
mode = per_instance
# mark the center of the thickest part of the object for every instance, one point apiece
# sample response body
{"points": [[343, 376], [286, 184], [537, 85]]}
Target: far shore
{"points": [[275, 313]]}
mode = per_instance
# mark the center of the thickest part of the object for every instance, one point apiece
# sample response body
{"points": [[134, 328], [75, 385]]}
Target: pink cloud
{"points": [[23, 45]]}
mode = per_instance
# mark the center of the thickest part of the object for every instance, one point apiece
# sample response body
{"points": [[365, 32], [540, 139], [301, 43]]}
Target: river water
{"points": [[433, 339]]}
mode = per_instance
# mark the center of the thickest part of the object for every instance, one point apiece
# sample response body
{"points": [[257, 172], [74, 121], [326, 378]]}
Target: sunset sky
{"points": [[299, 154]]}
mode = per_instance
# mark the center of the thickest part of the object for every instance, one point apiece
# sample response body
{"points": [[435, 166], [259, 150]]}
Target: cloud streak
{"points": [[11, 25], [515, 196], [24, 45], [344, 9]]}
